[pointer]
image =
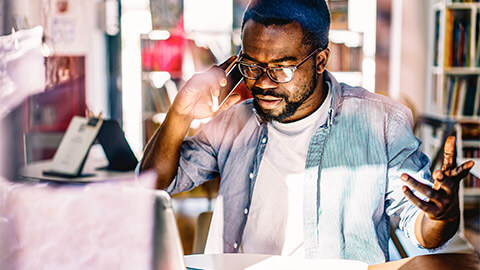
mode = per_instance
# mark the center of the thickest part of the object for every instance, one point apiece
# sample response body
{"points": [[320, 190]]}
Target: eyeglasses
{"points": [[276, 74]]}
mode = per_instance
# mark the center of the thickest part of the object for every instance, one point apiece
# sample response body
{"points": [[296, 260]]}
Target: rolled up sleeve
{"points": [[404, 157], [197, 164]]}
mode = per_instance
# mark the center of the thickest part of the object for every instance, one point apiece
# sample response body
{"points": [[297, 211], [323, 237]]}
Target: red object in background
{"points": [[64, 96], [164, 55], [54, 109]]}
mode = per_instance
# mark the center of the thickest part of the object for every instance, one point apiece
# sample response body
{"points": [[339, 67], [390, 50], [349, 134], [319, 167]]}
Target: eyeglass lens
{"points": [[278, 74]]}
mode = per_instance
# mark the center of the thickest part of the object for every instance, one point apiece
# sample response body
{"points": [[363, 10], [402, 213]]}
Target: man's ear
{"points": [[322, 60]]}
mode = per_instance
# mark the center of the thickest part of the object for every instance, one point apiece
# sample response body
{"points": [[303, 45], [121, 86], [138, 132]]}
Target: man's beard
{"points": [[290, 108]]}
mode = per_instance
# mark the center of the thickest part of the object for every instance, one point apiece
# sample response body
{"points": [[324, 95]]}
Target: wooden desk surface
{"points": [[448, 261]]}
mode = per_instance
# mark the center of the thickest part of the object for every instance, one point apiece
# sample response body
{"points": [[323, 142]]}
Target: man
{"points": [[309, 167]]}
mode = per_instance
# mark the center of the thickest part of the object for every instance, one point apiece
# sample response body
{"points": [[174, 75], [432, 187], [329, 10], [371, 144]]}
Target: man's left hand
{"points": [[442, 199]]}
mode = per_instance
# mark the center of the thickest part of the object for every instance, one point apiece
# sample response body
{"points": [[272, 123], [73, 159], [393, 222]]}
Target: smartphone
{"points": [[234, 78]]}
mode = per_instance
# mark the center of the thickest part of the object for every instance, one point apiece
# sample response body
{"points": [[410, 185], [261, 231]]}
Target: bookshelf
{"points": [[352, 42], [347, 56], [453, 85]]}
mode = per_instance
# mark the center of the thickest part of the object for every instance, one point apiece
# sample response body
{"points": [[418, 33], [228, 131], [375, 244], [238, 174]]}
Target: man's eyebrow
{"points": [[279, 60]]}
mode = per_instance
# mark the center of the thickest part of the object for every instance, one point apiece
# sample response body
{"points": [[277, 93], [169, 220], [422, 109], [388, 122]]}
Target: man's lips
{"points": [[268, 102]]}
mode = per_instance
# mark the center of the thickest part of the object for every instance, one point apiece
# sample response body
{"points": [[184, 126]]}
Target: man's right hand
{"points": [[194, 100]]}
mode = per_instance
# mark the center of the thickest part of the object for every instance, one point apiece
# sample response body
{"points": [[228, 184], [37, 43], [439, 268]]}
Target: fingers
{"points": [[208, 82], [450, 179], [197, 97], [426, 190], [219, 81], [215, 76], [461, 171], [427, 207], [231, 100], [448, 154], [228, 63]]}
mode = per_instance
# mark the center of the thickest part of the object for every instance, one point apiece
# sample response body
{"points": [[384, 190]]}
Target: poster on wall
{"points": [[64, 96], [65, 24]]}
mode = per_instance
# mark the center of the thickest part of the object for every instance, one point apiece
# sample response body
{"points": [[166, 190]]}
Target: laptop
{"points": [[167, 248]]}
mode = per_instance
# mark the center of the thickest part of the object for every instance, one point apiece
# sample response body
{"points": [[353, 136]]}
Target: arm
{"points": [[163, 150], [441, 212], [193, 101]]}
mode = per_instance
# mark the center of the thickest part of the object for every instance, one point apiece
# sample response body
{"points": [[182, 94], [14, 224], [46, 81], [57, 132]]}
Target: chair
{"points": [[201, 232]]}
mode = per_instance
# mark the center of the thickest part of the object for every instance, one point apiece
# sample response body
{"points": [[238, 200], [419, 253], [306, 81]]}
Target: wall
{"points": [[89, 40], [414, 42]]}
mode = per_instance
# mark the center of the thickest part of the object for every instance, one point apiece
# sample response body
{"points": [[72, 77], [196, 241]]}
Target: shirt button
{"points": [[245, 211], [235, 245], [250, 175], [264, 140]]}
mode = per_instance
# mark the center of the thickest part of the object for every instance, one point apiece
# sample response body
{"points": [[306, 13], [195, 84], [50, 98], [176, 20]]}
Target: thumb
{"points": [[231, 100]]}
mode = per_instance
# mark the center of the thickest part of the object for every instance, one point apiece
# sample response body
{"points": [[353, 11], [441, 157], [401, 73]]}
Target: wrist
{"points": [[452, 215], [179, 115]]}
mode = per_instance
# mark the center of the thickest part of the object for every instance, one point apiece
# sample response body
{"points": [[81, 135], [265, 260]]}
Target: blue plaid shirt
{"points": [[352, 183]]}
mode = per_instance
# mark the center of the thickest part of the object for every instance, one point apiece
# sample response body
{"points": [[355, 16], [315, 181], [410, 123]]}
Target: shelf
{"points": [[470, 143], [438, 6], [349, 38], [353, 78], [463, 5], [460, 119], [467, 119], [456, 70], [471, 192], [461, 70]]}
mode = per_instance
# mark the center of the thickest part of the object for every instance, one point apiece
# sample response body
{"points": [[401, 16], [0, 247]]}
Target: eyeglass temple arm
{"points": [[308, 57]]}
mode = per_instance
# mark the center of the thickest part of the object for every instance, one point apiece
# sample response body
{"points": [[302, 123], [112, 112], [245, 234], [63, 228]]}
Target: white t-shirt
{"points": [[275, 219]]}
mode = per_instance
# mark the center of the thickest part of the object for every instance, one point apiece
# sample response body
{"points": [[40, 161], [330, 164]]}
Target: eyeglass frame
{"points": [[266, 69]]}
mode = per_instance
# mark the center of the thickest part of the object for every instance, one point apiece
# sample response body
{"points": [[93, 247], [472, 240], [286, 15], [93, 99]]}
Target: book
{"points": [[437, 39], [476, 109], [460, 44], [469, 100], [461, 98], [466, 54], [478, 41], [451, 85], [448, 37], [458, 96]]}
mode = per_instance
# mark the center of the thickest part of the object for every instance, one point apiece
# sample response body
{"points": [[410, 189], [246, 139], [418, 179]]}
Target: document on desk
{"points": [[73, 149]]}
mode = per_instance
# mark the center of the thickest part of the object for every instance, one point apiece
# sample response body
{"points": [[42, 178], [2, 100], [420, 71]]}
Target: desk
{"points": [[445, 261], [35, 170], [450, 261]]}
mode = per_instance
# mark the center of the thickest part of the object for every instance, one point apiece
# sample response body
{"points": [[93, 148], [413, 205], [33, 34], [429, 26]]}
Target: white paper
{"points": [[74, 147]]}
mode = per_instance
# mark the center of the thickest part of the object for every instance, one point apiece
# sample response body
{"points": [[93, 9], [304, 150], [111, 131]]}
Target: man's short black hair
{"points": [[312, 15]]}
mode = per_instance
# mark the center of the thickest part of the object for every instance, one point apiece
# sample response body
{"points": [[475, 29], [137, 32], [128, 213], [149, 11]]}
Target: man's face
{"points": [[273, 46]]}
